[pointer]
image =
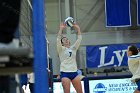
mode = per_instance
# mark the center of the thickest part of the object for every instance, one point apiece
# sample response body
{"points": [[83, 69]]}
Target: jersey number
{"points": [[70, 54]]}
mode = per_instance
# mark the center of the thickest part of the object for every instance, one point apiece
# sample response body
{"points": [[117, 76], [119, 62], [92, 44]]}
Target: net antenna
{"points": [[29, 4]]}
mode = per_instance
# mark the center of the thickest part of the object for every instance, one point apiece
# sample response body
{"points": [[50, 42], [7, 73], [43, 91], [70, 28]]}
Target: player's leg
{"points": [[138, 84], [77, 84], [66, 84]]}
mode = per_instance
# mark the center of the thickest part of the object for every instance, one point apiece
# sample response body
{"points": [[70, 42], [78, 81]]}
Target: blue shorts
{"points": [[138, 84], [70, 75]]}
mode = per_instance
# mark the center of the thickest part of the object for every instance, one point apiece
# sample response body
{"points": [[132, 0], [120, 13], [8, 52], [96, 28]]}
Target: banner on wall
{"points": [[138, 12], [117, 13], [111, 86], [107, 55]]}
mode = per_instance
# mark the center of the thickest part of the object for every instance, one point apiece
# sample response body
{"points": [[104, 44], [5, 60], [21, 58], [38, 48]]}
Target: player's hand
{"points": [[62, 26], [76, 27]]}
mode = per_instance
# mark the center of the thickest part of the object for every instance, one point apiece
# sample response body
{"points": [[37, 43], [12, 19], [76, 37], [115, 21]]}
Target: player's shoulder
{"points": [[134, 58]]}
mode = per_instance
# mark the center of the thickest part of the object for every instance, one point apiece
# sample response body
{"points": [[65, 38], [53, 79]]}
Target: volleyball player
{"points": [[67, 55], [134, 65]]}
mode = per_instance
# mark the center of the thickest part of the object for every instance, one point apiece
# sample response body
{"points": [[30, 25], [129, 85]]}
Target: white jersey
{"points": [[134, 66], [68, 55]]}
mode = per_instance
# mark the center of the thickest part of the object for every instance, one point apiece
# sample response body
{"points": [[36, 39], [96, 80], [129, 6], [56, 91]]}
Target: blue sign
{"points": [[107, 55], [123, 85], [117, 13]]}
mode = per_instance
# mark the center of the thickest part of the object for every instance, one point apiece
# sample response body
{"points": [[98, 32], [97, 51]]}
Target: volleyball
{"points": [[69, 21]]}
